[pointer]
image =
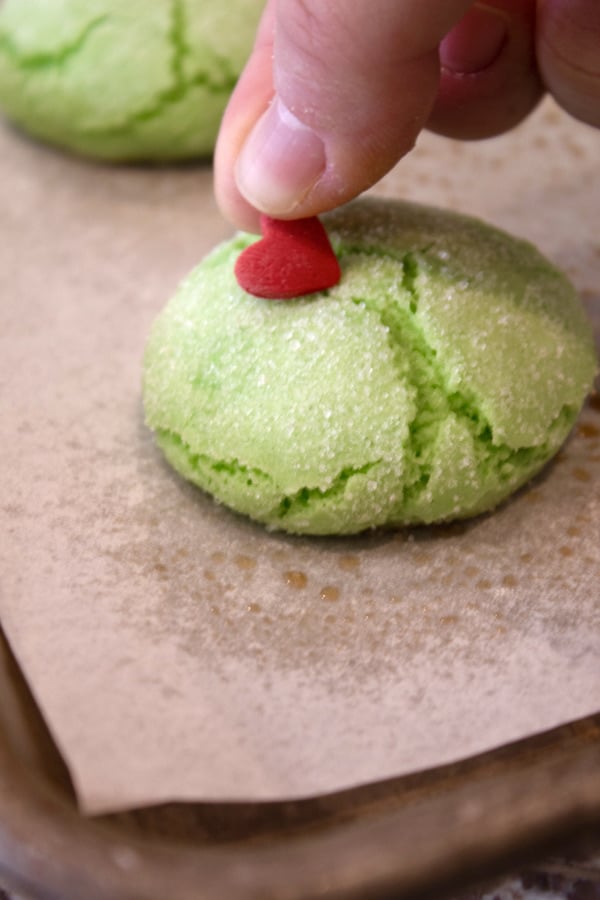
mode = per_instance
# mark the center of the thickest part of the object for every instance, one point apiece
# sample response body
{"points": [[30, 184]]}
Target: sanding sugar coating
{"points": [[442, 372], [134, 80]]}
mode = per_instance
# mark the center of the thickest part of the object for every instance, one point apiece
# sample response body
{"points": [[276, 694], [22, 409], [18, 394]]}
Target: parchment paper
{"points": [[178, 651]]}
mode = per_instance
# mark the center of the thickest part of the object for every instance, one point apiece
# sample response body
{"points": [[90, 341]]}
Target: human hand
{"points": [[336, 92]]}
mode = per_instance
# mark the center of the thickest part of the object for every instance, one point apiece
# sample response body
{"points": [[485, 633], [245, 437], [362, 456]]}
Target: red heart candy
{"points": [[293, 258]]}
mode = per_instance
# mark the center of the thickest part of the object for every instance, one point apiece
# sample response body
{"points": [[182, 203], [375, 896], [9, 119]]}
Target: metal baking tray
{"points": [[415, 836]]}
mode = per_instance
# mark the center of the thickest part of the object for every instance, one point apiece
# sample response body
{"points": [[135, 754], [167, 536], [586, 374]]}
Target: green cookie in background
{"points": [[121, 81]]}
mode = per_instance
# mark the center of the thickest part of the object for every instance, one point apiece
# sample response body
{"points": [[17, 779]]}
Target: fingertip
{"points": [[476, 42], [280, 162], [489, 80]]}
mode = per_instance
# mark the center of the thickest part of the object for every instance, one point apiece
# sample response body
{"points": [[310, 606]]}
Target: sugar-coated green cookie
{"points": [[443, 371], [134, 80]]}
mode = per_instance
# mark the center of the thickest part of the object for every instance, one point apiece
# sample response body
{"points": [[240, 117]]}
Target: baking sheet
{"points": [[180, 652], [440, 829]]}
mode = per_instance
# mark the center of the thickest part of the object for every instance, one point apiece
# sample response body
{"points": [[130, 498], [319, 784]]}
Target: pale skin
{"points": [[337, 91]]}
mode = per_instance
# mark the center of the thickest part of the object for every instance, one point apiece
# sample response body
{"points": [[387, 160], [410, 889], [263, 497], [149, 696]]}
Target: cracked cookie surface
{"points": [[442, 372], [123, 81]]}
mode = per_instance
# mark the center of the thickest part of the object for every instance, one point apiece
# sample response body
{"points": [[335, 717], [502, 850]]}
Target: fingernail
{"points": [[476, 42], [280, 161]]}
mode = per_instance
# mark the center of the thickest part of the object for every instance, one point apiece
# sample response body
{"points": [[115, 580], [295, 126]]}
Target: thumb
{"points": [[333, 95]]}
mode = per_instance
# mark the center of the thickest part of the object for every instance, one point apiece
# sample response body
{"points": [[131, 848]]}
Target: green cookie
{"points": [[133, 80], [443, 371]]}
